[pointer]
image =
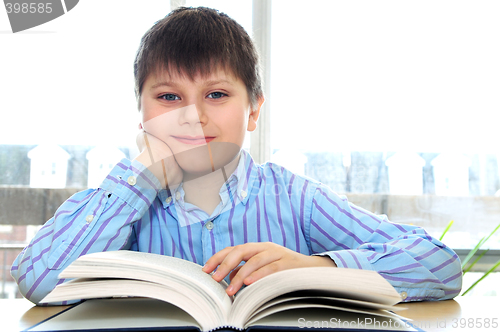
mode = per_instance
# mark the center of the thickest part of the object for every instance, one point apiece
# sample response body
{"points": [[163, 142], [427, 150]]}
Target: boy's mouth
{"points": [[194, 140]]}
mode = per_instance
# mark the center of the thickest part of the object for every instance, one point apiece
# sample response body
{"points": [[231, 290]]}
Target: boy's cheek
{"points": [[147, 113], [161, 126], [149, 109]]}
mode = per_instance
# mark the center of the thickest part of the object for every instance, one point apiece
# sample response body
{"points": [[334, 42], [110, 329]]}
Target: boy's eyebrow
{"points": [[215, 82], [166, 83], [208, 83]]}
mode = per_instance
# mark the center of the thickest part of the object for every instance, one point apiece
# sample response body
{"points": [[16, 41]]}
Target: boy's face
{"points": [[187, 114]]}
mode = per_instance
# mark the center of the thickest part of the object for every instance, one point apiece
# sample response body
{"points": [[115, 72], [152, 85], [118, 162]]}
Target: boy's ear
{"points": [[254, 115]]}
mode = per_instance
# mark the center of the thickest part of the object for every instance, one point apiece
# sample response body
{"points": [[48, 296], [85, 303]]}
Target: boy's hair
{"points": [[198, 40]]}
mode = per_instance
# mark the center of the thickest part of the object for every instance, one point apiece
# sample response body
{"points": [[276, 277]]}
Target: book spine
{"points": [[226, 328]]}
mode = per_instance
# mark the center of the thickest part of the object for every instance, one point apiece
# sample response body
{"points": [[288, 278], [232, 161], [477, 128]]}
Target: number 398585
{"points": [[26, 8]]}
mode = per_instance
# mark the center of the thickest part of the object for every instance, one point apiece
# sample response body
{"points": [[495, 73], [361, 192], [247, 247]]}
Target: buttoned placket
{"points": [[209, 232]]}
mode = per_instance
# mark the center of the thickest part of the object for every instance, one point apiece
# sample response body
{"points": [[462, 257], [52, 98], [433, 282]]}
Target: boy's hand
{"points": [[159, 159], [261, 260]]}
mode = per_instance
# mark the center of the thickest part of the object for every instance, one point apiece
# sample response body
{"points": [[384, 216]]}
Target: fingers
{"points": [[230, 257], [233, 273], [261, 259], [215, 260], [148, 147], [157, 156], [145, 141], [256, 256], [255, 268]]}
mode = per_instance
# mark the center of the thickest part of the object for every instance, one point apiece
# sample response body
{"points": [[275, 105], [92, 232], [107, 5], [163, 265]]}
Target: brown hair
{"points": [[199, 40]]}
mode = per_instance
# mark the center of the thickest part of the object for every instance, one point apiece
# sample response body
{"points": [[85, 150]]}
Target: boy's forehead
{"points": [[175, 75]]}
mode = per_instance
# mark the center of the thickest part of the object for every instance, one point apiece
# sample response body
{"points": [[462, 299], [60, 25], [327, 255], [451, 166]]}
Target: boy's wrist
{"points": [[325, 261]]}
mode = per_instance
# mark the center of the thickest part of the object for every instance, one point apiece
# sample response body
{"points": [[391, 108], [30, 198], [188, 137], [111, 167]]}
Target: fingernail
{"points": [[216, 274], [230, 289]]}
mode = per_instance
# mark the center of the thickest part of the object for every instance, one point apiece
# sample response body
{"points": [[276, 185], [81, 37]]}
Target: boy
{"points": [[193, 192]]}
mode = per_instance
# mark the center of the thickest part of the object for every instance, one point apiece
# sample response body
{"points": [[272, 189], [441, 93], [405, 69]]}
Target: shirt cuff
{"points": [[420, 294], [133, 183], [353, 259], [356, 259]]}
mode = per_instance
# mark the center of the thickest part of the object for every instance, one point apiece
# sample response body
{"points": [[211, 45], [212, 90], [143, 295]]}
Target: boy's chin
{"points": [[205, 159]]}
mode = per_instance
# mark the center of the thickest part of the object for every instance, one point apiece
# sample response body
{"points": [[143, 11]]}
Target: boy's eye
{"points": [[169, 96], [216, 95]]}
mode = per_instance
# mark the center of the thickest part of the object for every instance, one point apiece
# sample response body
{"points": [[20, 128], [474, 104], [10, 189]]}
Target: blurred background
{"points": [[391, 103]]}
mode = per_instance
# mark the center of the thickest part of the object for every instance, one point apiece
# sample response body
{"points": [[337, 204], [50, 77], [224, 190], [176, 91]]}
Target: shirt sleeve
{"points": [[419, 266], [90, 221]]}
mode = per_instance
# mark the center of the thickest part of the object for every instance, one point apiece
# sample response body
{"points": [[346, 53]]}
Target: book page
{"points": [[155, 268], [304, 304], [333, 301], [118, 314], [183, 298], [354, 284], [145, 261], [333, 319]]}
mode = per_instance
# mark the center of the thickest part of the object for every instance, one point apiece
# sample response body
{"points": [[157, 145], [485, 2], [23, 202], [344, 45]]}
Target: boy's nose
{"points": [[189, 114]]}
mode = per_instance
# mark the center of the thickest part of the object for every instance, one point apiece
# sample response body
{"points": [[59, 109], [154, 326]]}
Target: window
{"points": [[396, 98], [65, 86]]}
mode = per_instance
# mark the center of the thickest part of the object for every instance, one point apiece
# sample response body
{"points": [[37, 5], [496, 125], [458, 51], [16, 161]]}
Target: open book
{"points": [[183, 285]]}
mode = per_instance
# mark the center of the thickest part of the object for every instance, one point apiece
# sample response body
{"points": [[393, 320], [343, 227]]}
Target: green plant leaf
{"points": [[497, 264], [472, 252], [446, 229], [496, 229], [476, 248], [477, 260]]}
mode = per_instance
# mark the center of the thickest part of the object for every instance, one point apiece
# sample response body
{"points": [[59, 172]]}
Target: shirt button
{"points": [[404, 295], [243, 193], [89, 218], [168, 200], [132, 180], [209, 225], [177, 195]]}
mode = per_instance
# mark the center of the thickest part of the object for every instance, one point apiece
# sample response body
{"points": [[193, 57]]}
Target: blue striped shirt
{"points": [[259, 203]]}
